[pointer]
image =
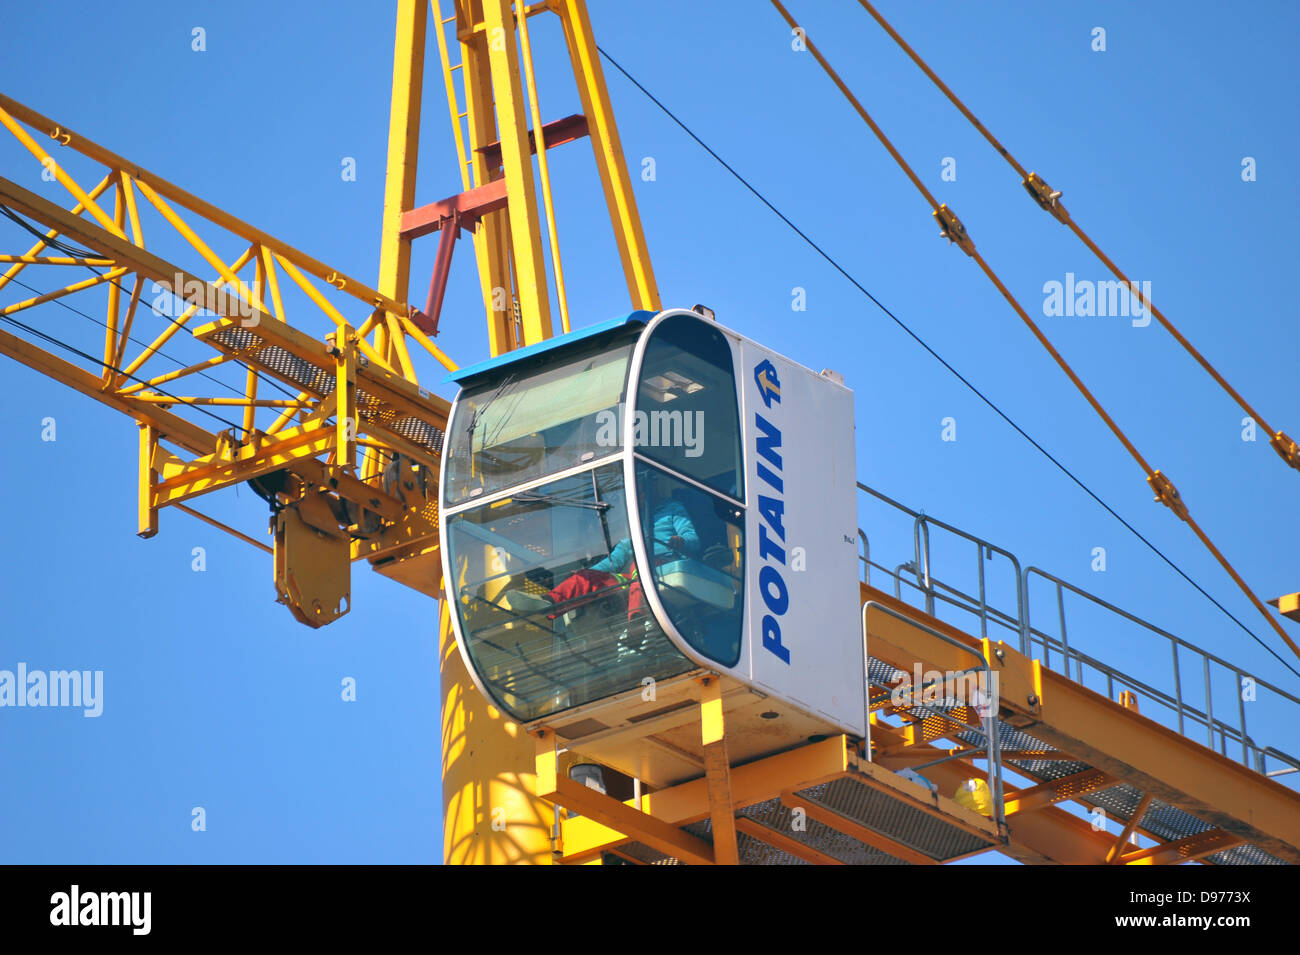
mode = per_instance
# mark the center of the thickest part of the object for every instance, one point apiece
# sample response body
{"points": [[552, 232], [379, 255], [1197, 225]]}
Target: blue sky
{"points": [[215, 698]]}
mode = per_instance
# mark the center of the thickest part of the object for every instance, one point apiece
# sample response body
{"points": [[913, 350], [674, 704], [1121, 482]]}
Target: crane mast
{"points": [[346, 448], [486, 56]]}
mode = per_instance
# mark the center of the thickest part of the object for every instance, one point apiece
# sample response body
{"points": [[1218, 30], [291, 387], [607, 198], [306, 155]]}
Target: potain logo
{"points": [[771, 509]]}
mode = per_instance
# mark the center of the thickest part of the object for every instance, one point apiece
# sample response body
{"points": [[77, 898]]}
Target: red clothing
{"points": [[592, 584]]}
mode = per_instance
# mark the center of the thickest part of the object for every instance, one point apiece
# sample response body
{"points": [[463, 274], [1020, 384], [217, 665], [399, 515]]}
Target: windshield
{"points": [[538, 417], [698, 542], [686, 412], [549, 601]]}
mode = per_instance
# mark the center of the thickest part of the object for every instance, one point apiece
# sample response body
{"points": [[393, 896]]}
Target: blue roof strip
{"points": [[530, 351]]}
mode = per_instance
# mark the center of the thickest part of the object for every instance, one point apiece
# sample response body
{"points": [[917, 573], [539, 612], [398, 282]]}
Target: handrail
{"points": [[1113, 676], [922, 530], [1177, 703], [866, 682], [921, 546], [1277, 754], [1155, 629], [990, 715], [1220, 730]]}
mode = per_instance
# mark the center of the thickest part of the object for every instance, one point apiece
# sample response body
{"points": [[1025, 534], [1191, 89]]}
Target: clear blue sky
{"points": [[215, 698]]}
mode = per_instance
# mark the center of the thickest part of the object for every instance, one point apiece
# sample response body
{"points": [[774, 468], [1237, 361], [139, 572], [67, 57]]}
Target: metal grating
{"points": [[1167, 822], [1047, 769], [1171, 823], [879, 672], [643, 853], [283, 363], [776, 815], [309, 378], [895, 819], [750, 851], [1245, 855]]}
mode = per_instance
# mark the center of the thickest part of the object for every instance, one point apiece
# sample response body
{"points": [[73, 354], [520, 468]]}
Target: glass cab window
{"points": [[686, 412], [542, 417], [695, 541], [689, 475], [550, 599]]}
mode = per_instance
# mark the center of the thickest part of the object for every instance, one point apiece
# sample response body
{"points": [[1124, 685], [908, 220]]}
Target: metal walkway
{"points": [[1183, 703], [1117, 784], [1083, 762]]}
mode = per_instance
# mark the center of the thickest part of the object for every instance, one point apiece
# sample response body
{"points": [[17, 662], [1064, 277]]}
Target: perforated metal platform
{"points": [[377, 405], [1166, 822], [856, 800]]}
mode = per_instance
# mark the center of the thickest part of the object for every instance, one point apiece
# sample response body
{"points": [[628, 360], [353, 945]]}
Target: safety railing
{"points": [[918, 574], [1189, 709], [1187, 713]]}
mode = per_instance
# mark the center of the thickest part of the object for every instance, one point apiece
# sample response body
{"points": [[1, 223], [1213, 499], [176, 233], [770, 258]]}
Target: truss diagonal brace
{"points": [[1184, 850]]}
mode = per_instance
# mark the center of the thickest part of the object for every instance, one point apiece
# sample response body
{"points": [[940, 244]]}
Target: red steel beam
{"points": [[555, 133]]}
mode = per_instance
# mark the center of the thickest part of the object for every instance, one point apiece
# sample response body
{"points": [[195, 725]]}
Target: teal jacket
{"points": [[670, 520]]}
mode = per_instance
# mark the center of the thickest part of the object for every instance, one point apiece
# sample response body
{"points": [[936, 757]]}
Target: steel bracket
{"points": [[950, 228], [1046, 197]]}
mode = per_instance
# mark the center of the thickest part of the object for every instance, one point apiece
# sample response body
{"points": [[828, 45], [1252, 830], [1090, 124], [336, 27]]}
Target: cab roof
{"points": [[460, 376]]}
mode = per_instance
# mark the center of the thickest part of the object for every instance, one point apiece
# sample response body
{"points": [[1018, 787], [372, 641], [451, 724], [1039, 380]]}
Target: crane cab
{"points": [[627, 508]]}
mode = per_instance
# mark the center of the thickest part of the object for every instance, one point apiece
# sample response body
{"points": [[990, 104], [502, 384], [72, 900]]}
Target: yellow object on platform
{"points": [[975, 794]]}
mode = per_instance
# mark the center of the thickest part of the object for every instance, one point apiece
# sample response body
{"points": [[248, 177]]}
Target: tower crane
{"points": [[614, 519]]}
